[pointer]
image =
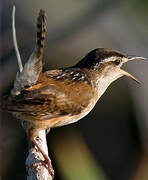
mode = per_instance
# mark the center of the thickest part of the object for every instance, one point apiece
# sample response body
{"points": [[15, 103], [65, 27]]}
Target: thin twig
{"points": [[15, 41], [35, 167]]}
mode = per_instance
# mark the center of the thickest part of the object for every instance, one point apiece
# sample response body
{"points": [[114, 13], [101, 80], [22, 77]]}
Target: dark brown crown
{"points": [[96, 56]]}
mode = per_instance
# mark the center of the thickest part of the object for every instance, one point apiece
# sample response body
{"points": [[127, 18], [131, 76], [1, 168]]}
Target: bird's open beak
{"points": [[124, 73], [130, 58]]}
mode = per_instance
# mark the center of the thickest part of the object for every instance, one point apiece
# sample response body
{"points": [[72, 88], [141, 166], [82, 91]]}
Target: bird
{"points": [[63, 96]]}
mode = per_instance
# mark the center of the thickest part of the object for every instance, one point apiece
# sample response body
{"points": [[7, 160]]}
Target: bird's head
{"points": [[104, 66]]}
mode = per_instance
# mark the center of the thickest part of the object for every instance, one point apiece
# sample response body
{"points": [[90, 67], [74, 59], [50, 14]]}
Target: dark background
{"points": [[111, 142]]}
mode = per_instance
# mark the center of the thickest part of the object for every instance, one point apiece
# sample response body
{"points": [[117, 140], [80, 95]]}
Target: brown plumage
{"points": [[64, 96], [59, 93]]}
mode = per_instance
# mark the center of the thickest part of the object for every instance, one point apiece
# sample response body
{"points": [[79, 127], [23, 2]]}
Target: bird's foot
{"points": [[48, 165], [46, 161]]}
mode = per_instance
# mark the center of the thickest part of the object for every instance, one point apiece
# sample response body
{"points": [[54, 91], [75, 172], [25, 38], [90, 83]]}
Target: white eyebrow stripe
{"points": [[113, 58]]}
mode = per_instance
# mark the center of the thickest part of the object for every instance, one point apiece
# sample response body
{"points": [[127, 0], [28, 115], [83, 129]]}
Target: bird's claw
{"points": [[48, 165]]}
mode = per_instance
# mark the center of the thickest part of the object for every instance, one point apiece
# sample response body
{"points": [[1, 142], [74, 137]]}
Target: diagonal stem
{"points": [[15, 41]]}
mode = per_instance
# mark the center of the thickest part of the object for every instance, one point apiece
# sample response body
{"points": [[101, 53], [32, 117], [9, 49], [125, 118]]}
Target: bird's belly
{"points": [[68, 119]]}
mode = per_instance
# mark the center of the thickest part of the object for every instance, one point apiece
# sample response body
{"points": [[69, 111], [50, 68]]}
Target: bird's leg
{"points": [[36, 141]]}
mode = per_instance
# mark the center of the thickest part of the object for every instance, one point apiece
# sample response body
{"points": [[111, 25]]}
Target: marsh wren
{"points": [[63, 96]]}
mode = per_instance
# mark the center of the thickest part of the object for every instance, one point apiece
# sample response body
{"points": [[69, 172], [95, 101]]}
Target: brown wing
{"points": [[50, 99], [56, 93]]}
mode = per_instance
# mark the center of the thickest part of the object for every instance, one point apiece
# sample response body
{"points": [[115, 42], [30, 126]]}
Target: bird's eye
{"points": [[117, 62]]}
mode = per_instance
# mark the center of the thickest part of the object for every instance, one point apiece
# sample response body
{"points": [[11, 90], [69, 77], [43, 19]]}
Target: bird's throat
{"points": [[101, 81]]}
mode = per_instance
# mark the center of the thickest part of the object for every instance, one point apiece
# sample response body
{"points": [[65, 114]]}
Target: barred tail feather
{"points": [[41, 32]]}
